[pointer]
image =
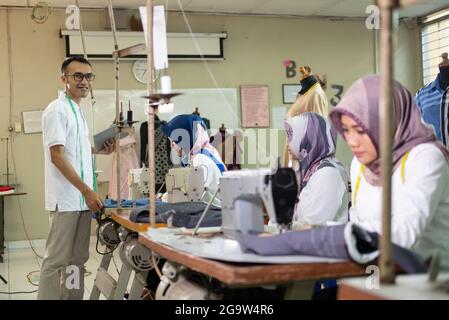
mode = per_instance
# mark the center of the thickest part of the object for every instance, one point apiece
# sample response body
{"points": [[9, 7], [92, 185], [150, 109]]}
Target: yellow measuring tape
{"points": [[362, 169]]}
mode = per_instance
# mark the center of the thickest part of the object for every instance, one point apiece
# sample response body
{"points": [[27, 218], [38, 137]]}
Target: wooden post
{"points": [[386, 114], [91, 98], [117, 103], [151, 164], [83, 42]]}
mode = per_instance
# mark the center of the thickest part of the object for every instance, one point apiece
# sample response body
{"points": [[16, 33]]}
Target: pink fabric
{"points": [[129, 160]]}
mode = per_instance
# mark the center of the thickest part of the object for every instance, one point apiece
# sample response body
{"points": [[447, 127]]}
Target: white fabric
{"points": [[59, 128], [351, 245], [211, 176], [420, 205], [324, 198]]}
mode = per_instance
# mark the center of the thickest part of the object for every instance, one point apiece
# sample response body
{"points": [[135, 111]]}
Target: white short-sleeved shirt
{"points": [[59, 127], [324, 198], [211, 176], [420, 203]]}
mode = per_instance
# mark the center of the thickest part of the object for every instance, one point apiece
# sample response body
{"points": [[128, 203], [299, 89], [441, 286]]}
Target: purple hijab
{"points": [[311, 140], [361, 103]]}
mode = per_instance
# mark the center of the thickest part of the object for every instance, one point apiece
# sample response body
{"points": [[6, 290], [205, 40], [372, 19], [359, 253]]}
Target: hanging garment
{"points": [[128, 161], [433, 102], [229, 148], [162, 151]]}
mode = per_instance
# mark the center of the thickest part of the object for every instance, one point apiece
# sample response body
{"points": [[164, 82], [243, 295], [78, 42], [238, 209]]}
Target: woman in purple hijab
{"points": [[322, 180], [420, 180]]}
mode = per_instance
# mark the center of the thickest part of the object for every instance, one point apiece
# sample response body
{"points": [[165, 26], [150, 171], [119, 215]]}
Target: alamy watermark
{"points": [[373, 19], [372, 282], [248, 146], [72, 22], [72, 277]]}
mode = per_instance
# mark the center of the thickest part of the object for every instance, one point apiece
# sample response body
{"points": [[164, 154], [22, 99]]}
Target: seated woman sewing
{"points": [[420, 180], [311, 98], [189, 137], [322, 180]]}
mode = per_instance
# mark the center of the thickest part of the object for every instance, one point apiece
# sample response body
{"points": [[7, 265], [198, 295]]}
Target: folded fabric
{"points": [[346, 241], [111, 203], [6, 190], [184, 214]]}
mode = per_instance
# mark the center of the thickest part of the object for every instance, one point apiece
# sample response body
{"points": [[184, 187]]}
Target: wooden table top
{"points": [[122, 217], [255, 274], [405, 287], [13, 194]]}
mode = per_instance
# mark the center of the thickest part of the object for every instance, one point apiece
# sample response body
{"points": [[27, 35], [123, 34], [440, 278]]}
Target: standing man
{"points": [[69, 194]]}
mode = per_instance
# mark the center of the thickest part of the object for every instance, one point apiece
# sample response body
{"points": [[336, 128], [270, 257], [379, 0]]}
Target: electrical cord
{"points": [[40, 12], [29, 278], [18, 292], [98, 241], [11, 101], [209, 71], [11, 83], [155, 266], [20, 207]]}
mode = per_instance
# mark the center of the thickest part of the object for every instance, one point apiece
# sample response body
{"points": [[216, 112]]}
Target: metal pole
{"points": [[151, 164], [204, 212], [7, 161], [386, 115], [117, 102]]}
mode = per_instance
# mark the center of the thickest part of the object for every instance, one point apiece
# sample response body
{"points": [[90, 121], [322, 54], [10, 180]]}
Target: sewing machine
{"points": [[184, 184], [138, 183], [247, 194]]}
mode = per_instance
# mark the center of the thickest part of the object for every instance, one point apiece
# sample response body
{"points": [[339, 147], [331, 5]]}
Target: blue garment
{"points": [[174, 130], [111, 203], [433, 102], [219, 164], [324, 284]]}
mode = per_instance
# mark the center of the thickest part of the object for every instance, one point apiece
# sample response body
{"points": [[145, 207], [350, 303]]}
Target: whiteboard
{"points": [[218, 105]]}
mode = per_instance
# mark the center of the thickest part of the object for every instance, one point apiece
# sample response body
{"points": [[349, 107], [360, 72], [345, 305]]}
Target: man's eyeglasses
{"points": [[78, 76]]}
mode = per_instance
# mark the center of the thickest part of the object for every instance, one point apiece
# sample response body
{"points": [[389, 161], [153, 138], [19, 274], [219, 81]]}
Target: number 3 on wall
{"points": [[337, 97]]}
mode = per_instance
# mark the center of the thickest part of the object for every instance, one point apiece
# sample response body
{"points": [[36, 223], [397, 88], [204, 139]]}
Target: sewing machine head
{"points": [[184, 184], [247, 194], [138, 183]]}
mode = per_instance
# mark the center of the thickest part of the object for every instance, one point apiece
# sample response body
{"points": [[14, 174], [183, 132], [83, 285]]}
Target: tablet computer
{"points": [[109, 133]]}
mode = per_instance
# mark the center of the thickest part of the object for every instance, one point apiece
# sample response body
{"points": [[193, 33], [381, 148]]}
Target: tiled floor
{"points": [[19, 261]]}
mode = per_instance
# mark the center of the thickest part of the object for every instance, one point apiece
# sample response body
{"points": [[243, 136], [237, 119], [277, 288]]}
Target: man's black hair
{"points": [[70, 60]]}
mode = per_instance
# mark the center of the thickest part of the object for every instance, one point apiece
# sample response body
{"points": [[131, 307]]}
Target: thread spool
{"points": [[165, 84]]}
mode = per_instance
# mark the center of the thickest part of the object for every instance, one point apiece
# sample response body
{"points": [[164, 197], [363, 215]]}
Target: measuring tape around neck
{"points": [[362, 170], [78, 144]]}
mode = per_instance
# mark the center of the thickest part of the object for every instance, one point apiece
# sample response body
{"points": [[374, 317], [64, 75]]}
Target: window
{"points": [[435, 41]]}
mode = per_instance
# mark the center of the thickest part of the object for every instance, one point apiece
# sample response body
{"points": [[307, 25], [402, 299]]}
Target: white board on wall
{"points": [[218, 105]]}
